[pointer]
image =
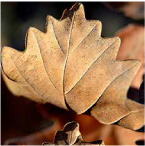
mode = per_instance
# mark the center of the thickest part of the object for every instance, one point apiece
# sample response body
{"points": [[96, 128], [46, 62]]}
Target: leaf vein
{"points": [[39, 48], [90, 67]]}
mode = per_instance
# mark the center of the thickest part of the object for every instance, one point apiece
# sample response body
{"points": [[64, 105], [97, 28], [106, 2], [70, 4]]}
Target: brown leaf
{"points": [[36, 138], [126, 137], [132, 47], [71, 65], [70, 135], [133, 10], [113, 135]]}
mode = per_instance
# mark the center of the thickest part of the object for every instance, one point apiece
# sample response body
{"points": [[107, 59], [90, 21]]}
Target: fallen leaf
{"points": [[132, 47], [110, 134], [36, 138], [126, 136], [73, 67], [133, 10], [70, 135]]}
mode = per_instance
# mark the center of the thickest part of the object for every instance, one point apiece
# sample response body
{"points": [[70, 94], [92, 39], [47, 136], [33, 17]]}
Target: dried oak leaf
{"points": [[73, 67], [113, 135], [70, 135], [132, 47]]}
